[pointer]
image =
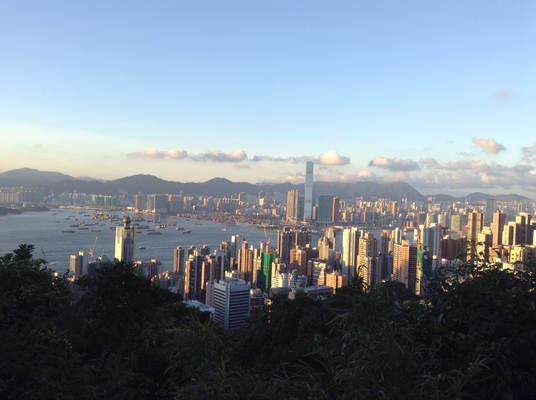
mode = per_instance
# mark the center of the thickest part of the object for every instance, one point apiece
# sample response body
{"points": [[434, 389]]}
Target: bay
{"points": [[41, 230]]}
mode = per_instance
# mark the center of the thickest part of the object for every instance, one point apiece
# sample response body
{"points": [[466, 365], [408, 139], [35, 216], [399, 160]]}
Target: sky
{"points": [[438, 94]]}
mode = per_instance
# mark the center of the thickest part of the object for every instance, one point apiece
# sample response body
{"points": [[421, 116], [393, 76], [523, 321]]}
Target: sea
{"points": [[41, 230]]}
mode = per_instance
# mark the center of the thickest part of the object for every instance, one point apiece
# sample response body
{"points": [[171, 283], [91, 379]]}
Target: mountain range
{"points": [[56, 182]]}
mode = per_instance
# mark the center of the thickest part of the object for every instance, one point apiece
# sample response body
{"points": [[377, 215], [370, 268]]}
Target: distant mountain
{"points": [[29, 174], [89, 179], [220, 187]]}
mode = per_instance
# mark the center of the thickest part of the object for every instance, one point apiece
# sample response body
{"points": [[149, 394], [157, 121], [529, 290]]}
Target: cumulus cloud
{"points": [[219, 156], [151, 153], [177, 154], [489, 145], [394, 164], [244, 166], [332, 158], [502, 94], [529, 153], [180, 154]]}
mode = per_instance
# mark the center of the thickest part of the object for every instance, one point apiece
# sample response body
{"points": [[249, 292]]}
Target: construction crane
{"points": [[266, 238], [92, 250]]}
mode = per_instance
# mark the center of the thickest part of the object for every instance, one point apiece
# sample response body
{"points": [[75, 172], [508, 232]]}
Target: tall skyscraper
{"points": [[475, 224], [497, 227], [367, 259], [125, 241], [325, 209], [308, 203], [292, 205], [178, 260], [491, 206], [405, 264], [335, 210]]}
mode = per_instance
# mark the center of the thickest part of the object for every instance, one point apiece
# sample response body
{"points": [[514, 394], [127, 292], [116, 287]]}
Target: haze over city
{"points": [[438, 95]]}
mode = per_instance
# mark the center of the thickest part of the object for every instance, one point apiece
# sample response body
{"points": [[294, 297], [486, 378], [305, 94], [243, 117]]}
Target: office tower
{"points": [[178, 260], [522, 208], [367, 259], [325, 208], [424, 270], [385, 266], [405, 264], [265, 282], [221, 258], [421, 218], [491, 207], [497, 227], [231, 302], [308, 201], [245, 261], [125, 241], [393, 208], [292, 205]]}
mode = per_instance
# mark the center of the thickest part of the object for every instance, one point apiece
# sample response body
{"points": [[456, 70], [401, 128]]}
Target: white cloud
{"points": [[332, 158], [394, 164], [489, 145], [177, 154], [219, 156], [529, 153]]}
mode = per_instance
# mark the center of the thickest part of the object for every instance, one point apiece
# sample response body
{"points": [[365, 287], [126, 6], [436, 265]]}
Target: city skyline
{"points": [[439, 96]]}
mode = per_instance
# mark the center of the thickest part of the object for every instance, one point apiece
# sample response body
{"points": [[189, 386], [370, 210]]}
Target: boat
{"points": [[112, 228], [57, 221], [67, 231], [67, 218], [141, 248], [172, 223], [223, 229], [154, 233], [73, 226], [82, 229], [180, 228], [187, 231], [95, 230], [197, 223]]}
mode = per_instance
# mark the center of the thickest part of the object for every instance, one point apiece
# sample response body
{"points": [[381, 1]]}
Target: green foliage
{"points": [[121, 336]]}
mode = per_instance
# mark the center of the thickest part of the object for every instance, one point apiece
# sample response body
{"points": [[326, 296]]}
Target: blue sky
{"points": [[440, 94]]}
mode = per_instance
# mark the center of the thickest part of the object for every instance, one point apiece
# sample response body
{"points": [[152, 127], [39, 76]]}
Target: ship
{"points": [[95, 230], [187, 231], [180, 228], [141, 248], [154, 233], [67, 231]]}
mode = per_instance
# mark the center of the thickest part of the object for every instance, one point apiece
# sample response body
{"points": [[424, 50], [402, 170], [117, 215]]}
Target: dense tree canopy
{"points": [[121, 336]]}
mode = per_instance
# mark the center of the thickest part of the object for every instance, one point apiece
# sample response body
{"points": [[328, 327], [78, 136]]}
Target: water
{"points": [[41, 230]]}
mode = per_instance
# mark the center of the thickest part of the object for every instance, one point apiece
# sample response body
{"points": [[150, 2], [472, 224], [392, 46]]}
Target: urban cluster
{"points": [[410, 240]]}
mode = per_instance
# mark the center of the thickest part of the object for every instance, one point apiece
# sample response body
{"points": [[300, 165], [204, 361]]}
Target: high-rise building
{"points": [[266, 273], [405, 264], [350, 249], [497, 227], [367, 259], [431, 240], [475, 224], [125, 241], [308, 201], [325, 208], [292, 205], [78, 262], [491, 207], [178, 260], [335, 216], [231, 302]]}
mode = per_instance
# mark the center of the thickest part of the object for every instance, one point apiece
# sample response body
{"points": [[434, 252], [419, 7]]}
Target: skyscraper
{"points": [[325, 208], [308, 204], [491, 206], [475, 224], [292, 205], [125, 240], [178, 260], [497, 227]]}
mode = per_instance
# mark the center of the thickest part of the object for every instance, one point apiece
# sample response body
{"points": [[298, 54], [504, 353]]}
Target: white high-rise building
{"points": [[231, 302], [125, 241], [308, 203], [236, 244]]}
